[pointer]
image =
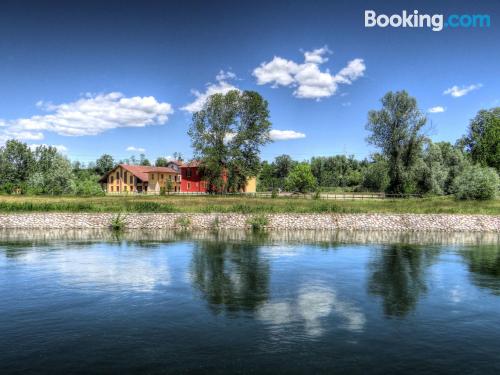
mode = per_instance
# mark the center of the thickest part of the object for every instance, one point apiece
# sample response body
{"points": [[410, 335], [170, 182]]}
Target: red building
{"points": [[191, 181]]}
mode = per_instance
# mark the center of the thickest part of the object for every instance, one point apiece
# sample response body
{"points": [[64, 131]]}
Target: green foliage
{"points": [[395, 129], [161, 162], [301, 179], [376, 175], [16, 165], [482, 141], [435, 172], [183, 222], [104, 164], [258, 223], [169, 185], [227, 134], [118, 223], [143, 160], [477, 183], [339, 170]]}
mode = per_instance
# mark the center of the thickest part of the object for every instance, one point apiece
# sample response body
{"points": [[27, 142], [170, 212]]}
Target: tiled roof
{"points": [[142, 172], [191, 164]]}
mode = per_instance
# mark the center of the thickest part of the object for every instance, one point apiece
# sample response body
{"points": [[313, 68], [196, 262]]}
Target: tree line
{"points": [[228, 133], [408, 162]]}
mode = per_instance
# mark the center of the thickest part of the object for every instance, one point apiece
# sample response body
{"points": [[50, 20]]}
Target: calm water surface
{"points": [[223, 305]]}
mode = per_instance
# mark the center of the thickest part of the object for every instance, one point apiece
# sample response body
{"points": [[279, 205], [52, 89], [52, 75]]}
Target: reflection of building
{"points": [[175, 177]]}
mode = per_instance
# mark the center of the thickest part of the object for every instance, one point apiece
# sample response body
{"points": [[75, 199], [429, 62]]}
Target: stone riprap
{"points": [[390, 222]]}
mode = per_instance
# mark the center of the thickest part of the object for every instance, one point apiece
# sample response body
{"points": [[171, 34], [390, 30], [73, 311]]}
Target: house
{"points": [[179, 177], [192, 182], [126, 178]]}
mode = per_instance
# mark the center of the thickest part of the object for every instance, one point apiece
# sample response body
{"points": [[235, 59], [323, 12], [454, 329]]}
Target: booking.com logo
{"points": [[436, 21]]}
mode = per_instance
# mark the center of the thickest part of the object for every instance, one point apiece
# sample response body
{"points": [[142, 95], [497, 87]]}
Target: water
{"points": [[164, 303]]}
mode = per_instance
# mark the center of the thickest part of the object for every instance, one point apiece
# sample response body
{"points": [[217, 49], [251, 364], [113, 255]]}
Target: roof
{"points": [[140, 171], [191, 164]]}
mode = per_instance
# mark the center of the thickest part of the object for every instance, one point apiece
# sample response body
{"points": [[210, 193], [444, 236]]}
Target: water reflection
{"points": [[87, 266], [230, 276], [484, 265], [314, 303], [398, 275]]}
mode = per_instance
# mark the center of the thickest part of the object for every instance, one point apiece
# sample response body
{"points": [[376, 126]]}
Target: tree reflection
{"points": [[484, 265], [398, 276], [231, 276]]}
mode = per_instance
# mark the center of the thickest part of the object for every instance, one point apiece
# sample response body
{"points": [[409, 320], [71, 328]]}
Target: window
{"points": [[131, 180], [111, 188], [189, 186], [117, 175], [111, 179], [188, 173]]}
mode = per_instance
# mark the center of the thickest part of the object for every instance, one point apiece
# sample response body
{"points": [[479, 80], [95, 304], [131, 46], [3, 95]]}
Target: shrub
{"points": [[274, 193], [183, 222], [258, 222], [476, 182], [118, 222]]}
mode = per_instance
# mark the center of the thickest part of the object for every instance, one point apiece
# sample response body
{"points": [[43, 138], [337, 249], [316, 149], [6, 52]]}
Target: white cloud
{"points": [[61, 148], [457, 91], [222, 86], [90, 115], [135, 149], [437, 109], [283, 135], [308, 79]]}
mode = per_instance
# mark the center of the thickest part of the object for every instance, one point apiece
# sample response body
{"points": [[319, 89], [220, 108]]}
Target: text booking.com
{"points": [[436, 22]]}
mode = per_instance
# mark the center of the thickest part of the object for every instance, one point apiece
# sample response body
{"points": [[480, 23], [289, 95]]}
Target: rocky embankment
{"points": [[378, 222]]}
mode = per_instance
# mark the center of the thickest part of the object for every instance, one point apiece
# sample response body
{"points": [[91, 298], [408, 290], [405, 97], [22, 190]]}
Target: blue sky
{"points": [[105, 76]]}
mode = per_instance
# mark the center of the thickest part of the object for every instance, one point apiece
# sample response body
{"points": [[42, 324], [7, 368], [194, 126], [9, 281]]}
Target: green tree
{"points": [[477, 182], [53, 173], [301, 179], [144, 161], [376, 174], [16, 165], [227, 134], [396, 130], [482, 141], [169, 186], [161, 162], [104, 164]]}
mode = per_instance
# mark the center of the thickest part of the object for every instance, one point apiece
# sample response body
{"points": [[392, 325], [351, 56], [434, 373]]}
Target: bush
{"points": [[118, 223], [183, 222], [476, 182], [258, 222]]}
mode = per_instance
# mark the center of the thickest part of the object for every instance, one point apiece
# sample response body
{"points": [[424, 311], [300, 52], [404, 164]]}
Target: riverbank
{"points": [[172, 221], [243, 205]]}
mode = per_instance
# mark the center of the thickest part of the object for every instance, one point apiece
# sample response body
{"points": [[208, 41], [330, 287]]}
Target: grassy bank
{"points": [[239, 204]]}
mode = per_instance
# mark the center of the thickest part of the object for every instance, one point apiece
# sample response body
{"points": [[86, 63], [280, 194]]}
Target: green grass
{"points": [[238, 204]]}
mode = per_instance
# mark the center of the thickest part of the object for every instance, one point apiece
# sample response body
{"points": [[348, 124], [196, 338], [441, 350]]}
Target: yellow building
{"points": [[126, 178]]}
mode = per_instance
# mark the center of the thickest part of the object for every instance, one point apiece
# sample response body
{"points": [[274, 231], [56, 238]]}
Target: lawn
{"points": [[239, 204]]}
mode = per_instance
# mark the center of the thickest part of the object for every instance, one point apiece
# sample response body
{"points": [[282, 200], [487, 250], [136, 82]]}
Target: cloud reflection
{"points": [[312, 305], [101, 269]]}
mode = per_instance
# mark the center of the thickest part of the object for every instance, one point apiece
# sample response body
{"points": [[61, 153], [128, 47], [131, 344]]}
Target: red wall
{"points": [[194, 182]]}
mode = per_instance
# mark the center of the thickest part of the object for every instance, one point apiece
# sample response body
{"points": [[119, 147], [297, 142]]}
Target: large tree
{"points": [[227, 134], [396, 130], [482, 141]]}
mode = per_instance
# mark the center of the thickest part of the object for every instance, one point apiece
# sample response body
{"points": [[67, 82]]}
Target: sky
{"points": [[124, 77]]}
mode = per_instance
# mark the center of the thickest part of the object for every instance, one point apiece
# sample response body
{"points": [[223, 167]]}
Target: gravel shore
{"points": [[379, 222]]}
